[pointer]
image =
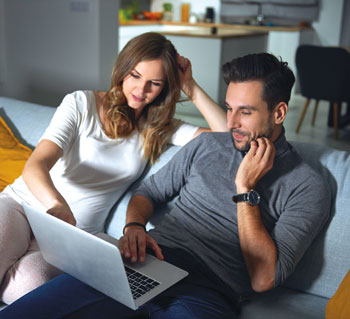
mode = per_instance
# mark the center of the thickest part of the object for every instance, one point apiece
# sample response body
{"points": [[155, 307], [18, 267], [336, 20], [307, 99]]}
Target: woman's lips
{"points": [[137, 99]]}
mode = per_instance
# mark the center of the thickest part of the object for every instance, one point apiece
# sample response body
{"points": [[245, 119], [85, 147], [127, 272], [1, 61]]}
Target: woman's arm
{"points": [[37, 177], [212, 112]]}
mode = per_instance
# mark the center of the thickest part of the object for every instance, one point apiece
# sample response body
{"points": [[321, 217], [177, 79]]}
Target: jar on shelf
{"points": [[168, 14]]}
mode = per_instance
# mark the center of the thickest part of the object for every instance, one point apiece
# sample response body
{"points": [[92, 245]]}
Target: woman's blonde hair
{"points": [[155, 122]]}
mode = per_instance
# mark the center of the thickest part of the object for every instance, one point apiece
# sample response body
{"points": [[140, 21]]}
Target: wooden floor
{"points": [[318, 134]]}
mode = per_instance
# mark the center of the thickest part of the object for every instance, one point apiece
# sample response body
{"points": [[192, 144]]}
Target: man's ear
{"points": [[280, 112]]}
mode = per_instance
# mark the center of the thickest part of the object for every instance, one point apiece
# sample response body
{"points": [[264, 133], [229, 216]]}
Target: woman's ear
{"points": [[280, 112]]}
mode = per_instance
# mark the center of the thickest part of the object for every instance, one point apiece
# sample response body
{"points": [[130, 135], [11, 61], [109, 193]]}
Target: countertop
{"points": [[218, 33], [216, 25]]}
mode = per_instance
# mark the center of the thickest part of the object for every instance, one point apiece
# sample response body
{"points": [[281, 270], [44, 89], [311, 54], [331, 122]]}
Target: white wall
{"points": [[328, 27], [53, 47], [197, 6]]}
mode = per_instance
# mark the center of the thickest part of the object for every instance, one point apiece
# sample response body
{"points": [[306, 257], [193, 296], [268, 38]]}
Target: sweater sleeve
{"points": [[302, 218]]}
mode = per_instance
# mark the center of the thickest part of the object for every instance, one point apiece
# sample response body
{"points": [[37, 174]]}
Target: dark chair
{"points": [[324, 74]]}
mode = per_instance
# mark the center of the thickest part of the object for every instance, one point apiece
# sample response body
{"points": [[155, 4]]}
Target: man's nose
{"points": [[232, 120]]}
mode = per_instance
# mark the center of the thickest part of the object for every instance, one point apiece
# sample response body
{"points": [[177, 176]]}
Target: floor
{"points": [[318, 134]]}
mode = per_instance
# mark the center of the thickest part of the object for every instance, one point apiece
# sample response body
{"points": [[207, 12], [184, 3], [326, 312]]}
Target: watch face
{"points": [[253, 197]]}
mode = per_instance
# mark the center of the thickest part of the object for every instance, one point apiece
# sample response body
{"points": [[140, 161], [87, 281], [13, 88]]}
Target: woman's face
{"points": [[144, 83]]}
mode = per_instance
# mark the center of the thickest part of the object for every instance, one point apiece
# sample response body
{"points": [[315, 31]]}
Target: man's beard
{"points": [[245, 148]]}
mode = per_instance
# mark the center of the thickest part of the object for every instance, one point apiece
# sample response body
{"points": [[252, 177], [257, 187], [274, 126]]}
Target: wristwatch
{"points": [[252, 197]]}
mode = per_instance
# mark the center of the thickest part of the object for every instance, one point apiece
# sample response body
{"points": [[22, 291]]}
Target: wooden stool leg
{"points": [[302, 115], [314, 115], [335, 119]]}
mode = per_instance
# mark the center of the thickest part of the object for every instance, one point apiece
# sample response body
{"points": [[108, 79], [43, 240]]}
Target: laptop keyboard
{"points": [[139, 283]]}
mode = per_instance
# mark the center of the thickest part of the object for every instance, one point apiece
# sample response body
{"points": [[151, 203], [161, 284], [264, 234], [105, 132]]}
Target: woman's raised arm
{"points": [[211, 111]]}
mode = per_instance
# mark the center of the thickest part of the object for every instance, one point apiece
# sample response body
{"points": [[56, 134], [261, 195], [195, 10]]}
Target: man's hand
{"points": [[62, 212], [256, 163], [134, 243]]}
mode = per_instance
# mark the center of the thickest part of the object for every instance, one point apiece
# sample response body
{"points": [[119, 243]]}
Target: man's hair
{"points": [[276, 76]]}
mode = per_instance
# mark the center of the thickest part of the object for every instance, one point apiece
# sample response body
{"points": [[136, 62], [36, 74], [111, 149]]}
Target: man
{"points": [[255, 242], [248, 208]]}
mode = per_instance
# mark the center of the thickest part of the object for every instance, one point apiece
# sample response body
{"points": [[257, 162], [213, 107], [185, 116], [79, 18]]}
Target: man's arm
{"points": [[159, 188], [258, 248], [135, 240]]}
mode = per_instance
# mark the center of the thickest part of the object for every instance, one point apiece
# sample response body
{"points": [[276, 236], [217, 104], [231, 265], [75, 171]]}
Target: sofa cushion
{"points": [[27, 121], [326, 262], [283, 303], [13, 155]]}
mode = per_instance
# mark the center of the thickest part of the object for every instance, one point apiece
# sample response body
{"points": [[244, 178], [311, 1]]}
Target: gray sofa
{"points": [[316, 278]]}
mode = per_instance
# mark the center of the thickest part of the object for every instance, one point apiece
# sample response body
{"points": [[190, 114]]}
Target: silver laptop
{"points": [[96, 261]]}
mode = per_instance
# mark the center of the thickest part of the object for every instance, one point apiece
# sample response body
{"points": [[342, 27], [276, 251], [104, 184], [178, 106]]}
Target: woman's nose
{"points": [[143, 87]]}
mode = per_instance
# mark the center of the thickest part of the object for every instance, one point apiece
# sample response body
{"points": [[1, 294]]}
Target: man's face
{"points": [[248, 116]]}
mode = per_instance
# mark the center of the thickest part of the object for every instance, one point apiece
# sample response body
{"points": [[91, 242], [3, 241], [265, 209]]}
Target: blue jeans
{"points": [[200, 295]]}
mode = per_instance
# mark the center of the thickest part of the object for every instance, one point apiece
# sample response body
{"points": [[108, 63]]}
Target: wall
{"points": [[2, 45], [328, 27], [53, 47]]}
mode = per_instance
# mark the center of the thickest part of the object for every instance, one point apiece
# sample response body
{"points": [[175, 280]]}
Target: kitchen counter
{"points": [[216, 25], [208, 51], [214, 33]]}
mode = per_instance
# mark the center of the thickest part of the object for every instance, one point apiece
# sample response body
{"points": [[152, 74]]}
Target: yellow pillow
{"points": [[339, 305], [13, 156]]}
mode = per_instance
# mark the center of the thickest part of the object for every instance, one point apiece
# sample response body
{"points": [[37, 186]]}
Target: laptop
{"points": [[96, 261]]}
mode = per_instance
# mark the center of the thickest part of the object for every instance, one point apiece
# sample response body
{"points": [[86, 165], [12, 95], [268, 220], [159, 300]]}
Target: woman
{"points": [[96, 145]]}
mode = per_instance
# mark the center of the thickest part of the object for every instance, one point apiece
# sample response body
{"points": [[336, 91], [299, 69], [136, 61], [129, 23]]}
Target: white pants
{"points": [[22, 267]]}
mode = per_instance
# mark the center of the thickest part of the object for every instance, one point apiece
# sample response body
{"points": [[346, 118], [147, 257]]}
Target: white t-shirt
{"points": [[94, 170]]}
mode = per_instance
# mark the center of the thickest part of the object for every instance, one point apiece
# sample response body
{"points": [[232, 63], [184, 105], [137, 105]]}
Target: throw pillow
{"points": [[13, 155], [339, 305]]}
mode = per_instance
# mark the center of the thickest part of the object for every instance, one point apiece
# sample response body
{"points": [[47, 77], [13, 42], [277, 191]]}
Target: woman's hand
{"points": [[62, 212], [185, 73]]}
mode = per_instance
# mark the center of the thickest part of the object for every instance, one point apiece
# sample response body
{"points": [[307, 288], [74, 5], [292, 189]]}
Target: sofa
{"points": [[316, 278]]}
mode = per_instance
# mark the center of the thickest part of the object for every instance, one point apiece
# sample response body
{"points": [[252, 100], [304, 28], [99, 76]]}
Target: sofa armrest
{"points": [[27, 121]]}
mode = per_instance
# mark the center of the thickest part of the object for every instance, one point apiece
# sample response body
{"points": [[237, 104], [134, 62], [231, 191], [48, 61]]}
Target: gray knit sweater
{"points": [[295, 204]]}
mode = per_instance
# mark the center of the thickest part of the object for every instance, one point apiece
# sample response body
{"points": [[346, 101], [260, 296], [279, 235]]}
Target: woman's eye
{"points": [[134, 75], [156, 83]]}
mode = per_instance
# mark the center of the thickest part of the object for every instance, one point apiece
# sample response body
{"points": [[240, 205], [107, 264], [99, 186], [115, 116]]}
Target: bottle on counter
{"points": [[185, 12], [209, 15]]}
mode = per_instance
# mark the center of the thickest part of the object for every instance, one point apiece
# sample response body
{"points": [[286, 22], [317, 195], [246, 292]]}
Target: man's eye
{"points": [[246, 113]]}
